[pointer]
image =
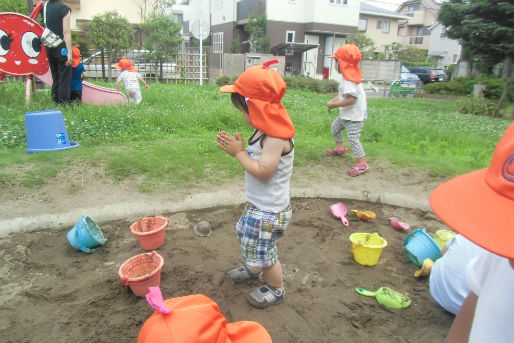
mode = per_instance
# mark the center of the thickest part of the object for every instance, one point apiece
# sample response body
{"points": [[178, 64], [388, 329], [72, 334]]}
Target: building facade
{"points": [[306, 32], [446, 50], [416, 30], [380, 25]]}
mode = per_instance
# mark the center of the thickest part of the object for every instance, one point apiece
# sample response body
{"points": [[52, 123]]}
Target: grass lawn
{"points": [[169, 139]]}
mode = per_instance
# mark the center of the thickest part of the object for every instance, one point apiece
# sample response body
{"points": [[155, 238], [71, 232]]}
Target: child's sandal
{"points": [[358, 169], [336, 152]]}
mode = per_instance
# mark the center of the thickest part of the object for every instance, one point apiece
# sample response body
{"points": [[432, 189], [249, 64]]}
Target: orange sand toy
{"points": [[364, 215]]}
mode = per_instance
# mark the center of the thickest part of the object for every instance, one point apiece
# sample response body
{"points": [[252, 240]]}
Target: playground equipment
{"points": [[24, 55]]}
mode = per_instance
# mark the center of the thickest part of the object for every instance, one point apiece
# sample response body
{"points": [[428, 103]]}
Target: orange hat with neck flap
{"points": [[264, 89]]}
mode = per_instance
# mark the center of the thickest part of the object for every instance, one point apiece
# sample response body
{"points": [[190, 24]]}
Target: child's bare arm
{"points": [[347, 101], [118, 85], [144, 82], [461, 327], [262, 169]]}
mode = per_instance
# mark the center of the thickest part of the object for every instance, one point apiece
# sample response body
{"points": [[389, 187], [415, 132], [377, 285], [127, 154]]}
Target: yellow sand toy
{"points": [[426, 268]]}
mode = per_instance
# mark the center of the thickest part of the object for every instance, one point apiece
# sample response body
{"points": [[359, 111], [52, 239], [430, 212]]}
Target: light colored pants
{"points": [[353, 131], [134, 95]]}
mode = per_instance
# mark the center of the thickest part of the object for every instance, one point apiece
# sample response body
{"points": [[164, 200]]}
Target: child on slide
{"points": [[268, 163], [130, 78], [352, 104]]}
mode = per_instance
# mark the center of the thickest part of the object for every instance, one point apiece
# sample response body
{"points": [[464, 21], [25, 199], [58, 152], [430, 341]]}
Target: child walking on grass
{"points": [[480, 206], [268, 164], [130, 78], [352, 104]]}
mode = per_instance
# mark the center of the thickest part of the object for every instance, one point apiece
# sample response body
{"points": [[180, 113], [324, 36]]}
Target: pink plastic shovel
{"points": [[398, 225], [339, 211], [154, 298]]}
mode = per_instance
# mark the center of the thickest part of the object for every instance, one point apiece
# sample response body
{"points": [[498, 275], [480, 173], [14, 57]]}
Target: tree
{"points": [[413, 54], [392, 50], [256, 28], [161, 36], [113, 33], [18, 6], [485, 29], [365, 44]]}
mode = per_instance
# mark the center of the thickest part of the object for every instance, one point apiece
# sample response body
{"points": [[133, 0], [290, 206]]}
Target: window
{"points": [[386, 26], [363, 24], [338, 2], [443, 32], [218, 3], [379, 24], [423, 31], [415, 7], [416, 40], [217, 42], [290, 36], [454, 59]]}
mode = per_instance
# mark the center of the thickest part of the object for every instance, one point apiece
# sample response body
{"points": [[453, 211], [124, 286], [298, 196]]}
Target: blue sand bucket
{"points": [[46, 131], [419, 246], [86, 235]]}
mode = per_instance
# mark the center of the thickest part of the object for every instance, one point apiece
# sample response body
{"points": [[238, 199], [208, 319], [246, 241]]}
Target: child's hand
{"points": [[231, 145], [146, 86]]}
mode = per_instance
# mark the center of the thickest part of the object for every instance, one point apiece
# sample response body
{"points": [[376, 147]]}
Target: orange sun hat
{"points": [[125, 64], [75, 54], [264, 88], [349, 56], [480, 204], [197, 318]]}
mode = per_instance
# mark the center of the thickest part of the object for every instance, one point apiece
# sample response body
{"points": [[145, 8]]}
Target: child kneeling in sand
{"points": [[268, 164]]}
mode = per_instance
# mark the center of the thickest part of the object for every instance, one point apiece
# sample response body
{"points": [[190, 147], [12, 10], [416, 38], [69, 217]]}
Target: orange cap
{"points": [[264, 88], [75, 53], [196, 318], [480, 204], [124, 64], [349, 56]]}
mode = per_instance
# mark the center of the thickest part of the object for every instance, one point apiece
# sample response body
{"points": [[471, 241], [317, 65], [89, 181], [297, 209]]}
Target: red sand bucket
{"points": [[141, 271], [150, 232]]}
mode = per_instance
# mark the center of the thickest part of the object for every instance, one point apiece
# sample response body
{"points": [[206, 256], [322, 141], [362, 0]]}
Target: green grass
{"points": [[169, 139]]}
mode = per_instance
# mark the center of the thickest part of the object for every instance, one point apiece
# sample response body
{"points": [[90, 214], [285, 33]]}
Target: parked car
{"points": [[406, 85], [428, 74], [140, 61], [409, 79]]}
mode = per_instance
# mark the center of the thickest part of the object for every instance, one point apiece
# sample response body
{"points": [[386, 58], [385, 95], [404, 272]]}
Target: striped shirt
{"points": [[130, 79]]}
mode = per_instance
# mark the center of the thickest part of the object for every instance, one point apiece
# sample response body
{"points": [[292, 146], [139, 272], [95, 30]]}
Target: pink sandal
{"points": [[358, 169], [336, 152]]}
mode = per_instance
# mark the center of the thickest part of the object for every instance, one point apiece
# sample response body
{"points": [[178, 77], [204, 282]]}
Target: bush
{"points": [[476, 106], [226, 80], [464, 86], [293, 82], [310, 84]]}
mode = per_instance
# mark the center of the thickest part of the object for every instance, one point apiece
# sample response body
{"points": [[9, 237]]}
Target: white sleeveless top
{"points": [[271, 195]]}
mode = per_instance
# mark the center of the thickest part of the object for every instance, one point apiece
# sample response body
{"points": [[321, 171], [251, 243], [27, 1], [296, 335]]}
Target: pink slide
{"points": [[92, 94]]}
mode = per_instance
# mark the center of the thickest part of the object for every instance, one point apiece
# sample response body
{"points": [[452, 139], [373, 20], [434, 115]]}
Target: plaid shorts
{"points": [[258, 232]]}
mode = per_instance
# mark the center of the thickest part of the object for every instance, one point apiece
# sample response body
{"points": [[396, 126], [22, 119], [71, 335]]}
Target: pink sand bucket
{"points": [[141, 271]]}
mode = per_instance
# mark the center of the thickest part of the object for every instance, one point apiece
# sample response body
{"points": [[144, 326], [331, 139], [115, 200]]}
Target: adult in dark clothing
{"points": [[58, 21]]}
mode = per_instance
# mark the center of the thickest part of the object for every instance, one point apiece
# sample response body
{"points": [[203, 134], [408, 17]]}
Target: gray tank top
{"points": [[271, 195]]}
